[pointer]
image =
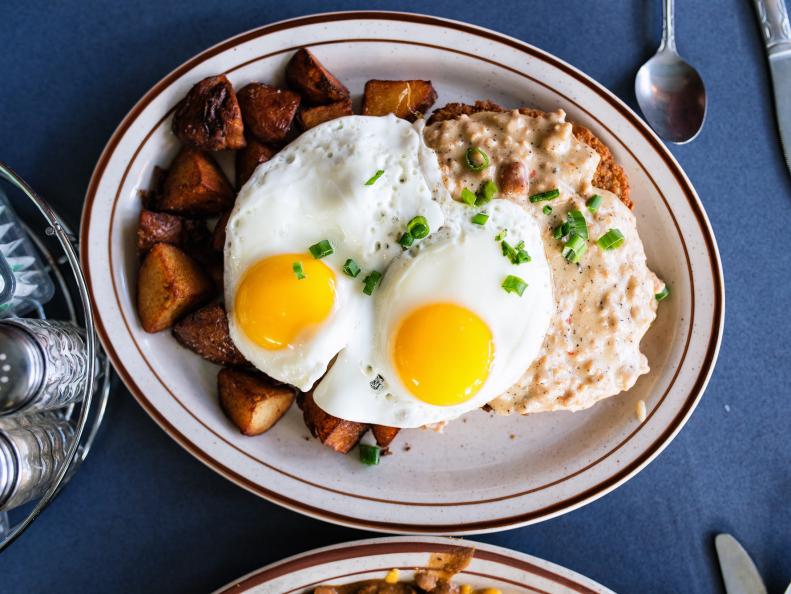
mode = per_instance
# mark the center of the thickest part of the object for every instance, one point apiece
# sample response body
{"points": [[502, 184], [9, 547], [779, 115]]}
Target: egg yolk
{"points": [[274, 307], [443, 352]]}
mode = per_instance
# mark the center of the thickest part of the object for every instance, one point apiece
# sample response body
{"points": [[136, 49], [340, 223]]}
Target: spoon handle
{"points": [[668, 26], [774, 24]]}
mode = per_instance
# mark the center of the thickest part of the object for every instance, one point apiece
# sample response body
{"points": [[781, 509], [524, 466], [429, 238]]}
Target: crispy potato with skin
{"points": [[252, 401], [335, 433], [384, 435], [310, 117], [205, 332], [158, 227], [405, 98], [268, 112], [305, 74], [209, 117], [170, 284], [195, 186], [249, 158]]}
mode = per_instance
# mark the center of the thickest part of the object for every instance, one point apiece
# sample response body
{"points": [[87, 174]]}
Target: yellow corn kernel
{"points": [[465, 589], [392, 577]]}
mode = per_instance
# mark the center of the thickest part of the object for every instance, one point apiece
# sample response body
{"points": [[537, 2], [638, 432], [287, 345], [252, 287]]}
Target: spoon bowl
{"points": [[670, 92]]}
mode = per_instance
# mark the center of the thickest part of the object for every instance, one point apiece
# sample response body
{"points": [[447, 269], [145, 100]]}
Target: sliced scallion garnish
{"points": [[593, 203], [372, 180], [486, 192], [611, 240], [474, 153], [514, 284], [350, 268], [547, 210], [501, 235], [574, 248], [370, 454], [480, 218], [321, 249], [297, 268], [577, 224], [418, 227], [468, 197], [663, 294], [516, 254], [370, 282], [406, 239], [544, 196]]}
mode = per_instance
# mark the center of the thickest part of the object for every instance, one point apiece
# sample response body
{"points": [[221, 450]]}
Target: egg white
{"points": [[314, 189], [464, 264]]}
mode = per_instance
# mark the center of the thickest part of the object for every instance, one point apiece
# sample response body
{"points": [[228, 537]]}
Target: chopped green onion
{"points": [[469, 159], [663, 294], [321, 249], [501, 235], [486, 193], [350, 268], [593, 203], [560, 231], [517, 255], [379, 173], [406, 240], [418, 227], [514, 284], [544, 196], [370, 454], [610, 240], [577, 224], [468, 197], [574, 248], [480, 218], [297, 268], [547, 210], [370, 282]]}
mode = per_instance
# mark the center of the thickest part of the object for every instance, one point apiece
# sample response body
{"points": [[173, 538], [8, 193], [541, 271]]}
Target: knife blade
{"points": [[776, 32], [738, 570]]}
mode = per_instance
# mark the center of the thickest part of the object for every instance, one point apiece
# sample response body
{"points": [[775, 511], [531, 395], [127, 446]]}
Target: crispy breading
{"points": [[609, 175]]}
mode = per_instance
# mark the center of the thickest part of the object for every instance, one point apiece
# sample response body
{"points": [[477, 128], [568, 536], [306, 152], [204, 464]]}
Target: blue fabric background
{"points": [[144, 516]]}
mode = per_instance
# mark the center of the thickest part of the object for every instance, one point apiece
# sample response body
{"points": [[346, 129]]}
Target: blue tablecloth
{"points": [[144, 516]]}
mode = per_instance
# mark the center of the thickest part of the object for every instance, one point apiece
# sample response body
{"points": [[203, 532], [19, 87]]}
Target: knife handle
{"points": [[776, 30]]}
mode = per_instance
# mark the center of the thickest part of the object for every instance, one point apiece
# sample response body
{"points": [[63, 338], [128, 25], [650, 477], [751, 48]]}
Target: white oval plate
{"points": [[483, 473], [491, 567]]}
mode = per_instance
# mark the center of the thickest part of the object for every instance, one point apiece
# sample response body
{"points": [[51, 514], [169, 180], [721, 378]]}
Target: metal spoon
{"points": [[669, 91]]}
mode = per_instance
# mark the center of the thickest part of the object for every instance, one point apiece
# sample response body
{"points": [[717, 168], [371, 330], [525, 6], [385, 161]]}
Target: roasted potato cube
{"points": [[306, 74], [218, 235], [313, 116], [252, 401], [195, 186], [249, 158], [169, 285], [158, 227], [405, 98], [335, 433], [205, 332], [209, 117], [268, 112], [384, 435]]}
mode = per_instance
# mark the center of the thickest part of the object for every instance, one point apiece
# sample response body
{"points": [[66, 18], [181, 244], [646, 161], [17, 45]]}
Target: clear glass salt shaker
{"points": [[31, 452], [43, 365]]}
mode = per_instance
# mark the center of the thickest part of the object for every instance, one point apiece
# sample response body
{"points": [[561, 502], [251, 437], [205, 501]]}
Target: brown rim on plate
{"points": [[356, 550], [576, 500]]}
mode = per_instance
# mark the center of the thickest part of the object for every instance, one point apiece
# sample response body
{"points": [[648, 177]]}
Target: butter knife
{"points": [[776, 31], [738, 570]]}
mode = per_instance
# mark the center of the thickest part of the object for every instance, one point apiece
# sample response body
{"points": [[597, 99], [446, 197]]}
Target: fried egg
{"points": [[351, 184], [448, 332]]}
